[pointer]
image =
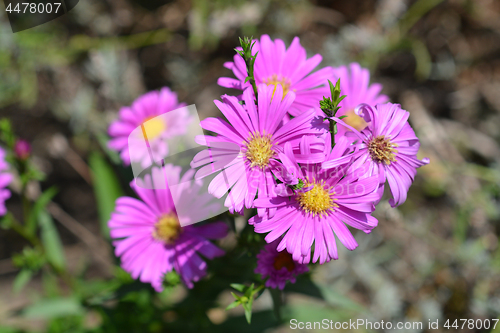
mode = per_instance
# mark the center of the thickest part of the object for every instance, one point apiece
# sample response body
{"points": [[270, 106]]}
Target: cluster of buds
{"points": [[330, 106], [247, 45]]}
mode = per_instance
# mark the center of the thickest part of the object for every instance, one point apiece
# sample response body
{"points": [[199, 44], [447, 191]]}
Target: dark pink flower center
{"points": [[284, 259]]}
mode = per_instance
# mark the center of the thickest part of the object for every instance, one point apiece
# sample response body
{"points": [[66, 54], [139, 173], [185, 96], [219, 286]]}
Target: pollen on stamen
{"points": [[259, 150], [318, 200], [167, 229], [382, 150], [275, 80]]}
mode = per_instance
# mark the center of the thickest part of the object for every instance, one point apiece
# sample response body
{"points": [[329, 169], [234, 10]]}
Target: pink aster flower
{"points": [[334, 198], [278, 267], [387, 148], [244, 150], [276, 65], [150, 240], [145, 111], [355, 84], [5, 179]]}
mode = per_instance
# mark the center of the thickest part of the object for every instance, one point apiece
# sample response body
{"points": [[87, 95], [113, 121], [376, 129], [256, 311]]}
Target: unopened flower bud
{"points": [[22, 149]]}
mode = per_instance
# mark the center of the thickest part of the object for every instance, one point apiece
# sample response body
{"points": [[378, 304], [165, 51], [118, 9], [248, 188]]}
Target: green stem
{"points": [[26, 209], [277, 296], [250, 75], [333, 130], [21, 230], [25, 201], [35, 242]]}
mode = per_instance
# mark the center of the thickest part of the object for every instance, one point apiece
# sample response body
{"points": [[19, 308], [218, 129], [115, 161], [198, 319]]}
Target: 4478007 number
{"points": [[471, 324], [31, 7]]}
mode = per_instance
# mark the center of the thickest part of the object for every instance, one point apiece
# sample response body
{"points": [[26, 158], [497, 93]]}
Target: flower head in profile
{"points": [[355, 84], [5, 179], [275, 65], [149, 239], [278, 267], [145, 111], [245, 149], [333, 199], [387, 148]]}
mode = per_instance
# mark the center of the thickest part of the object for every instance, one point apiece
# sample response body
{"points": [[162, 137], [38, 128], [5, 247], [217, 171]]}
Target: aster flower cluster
{"points": [[311, 166], [308, 157]]}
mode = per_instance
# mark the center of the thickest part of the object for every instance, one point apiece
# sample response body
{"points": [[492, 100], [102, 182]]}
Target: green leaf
{"points": [[51, 241], [332, 87], [106, 188], [335, 96], [40, 204], [239, 287], [6, 133], [21, 280], [236, 297], [423, 59], [248, 311], [249, 290], [53, 308], [232, 305], [341, 98]]}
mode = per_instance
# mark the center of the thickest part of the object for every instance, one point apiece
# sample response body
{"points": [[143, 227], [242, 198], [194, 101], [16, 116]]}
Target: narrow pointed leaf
{"points": [[51, 240], [237, 286], [232, 305], [22, 280], [106, 188]]}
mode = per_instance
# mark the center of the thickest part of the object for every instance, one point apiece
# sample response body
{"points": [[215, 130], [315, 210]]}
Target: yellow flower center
{"points": [[152, 127], [355, 121], [284, 259], [318, 200], [382, 150], [259, 150], [275, 80], [167, 229]]}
